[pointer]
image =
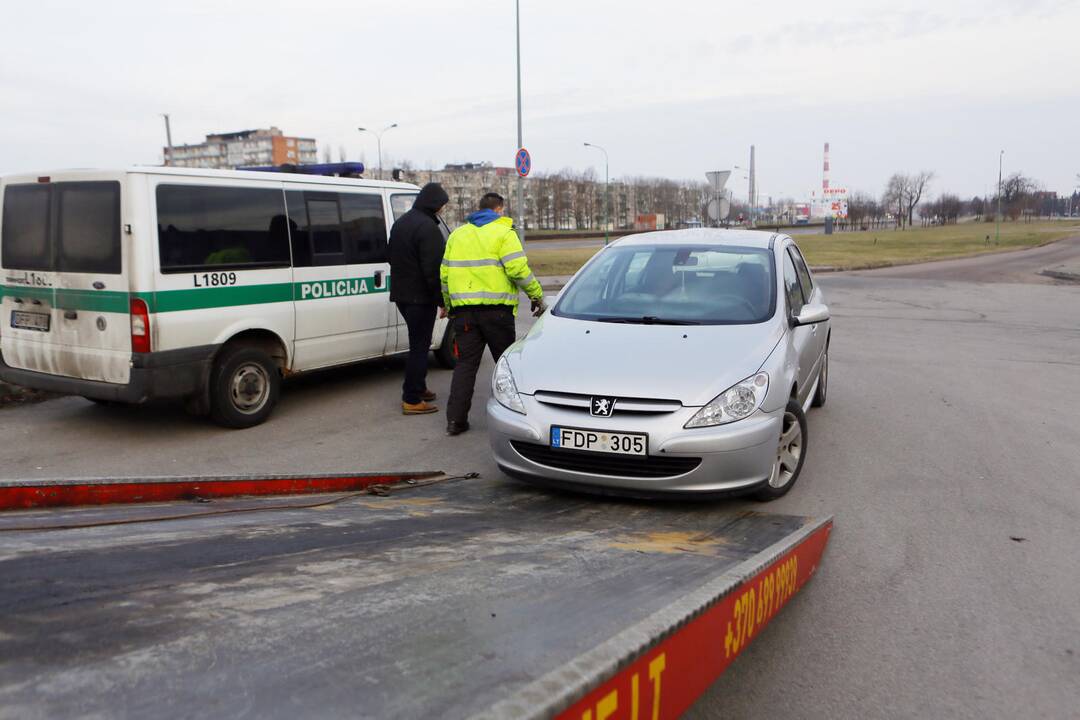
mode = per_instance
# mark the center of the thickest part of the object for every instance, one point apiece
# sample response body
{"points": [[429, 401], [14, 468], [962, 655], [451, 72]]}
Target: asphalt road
{"points": [[947, 454]]}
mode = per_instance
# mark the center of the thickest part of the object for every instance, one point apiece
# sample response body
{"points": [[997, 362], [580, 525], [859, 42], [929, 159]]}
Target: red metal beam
{"points": [[666, 679], [21, 495]]}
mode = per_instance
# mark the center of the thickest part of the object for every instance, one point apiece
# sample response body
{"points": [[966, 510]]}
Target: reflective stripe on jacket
{"points": [[486, 265]]}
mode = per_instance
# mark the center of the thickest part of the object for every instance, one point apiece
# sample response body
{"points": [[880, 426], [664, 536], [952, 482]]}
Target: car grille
{"points": [[637, 466], [582, 403]]}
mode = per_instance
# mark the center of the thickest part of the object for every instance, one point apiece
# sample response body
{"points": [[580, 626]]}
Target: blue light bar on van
{"points": [[343, 169]]}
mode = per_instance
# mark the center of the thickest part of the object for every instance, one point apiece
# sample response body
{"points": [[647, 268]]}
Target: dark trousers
{"points": [[420, 320], [491, 327]]}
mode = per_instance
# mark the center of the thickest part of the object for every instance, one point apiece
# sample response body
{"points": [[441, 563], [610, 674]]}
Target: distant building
{"points": [[465, 183], [246, 147]]}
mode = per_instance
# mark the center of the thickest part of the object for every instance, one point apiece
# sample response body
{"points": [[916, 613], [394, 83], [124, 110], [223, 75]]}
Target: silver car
{"points": [[677, 362]]}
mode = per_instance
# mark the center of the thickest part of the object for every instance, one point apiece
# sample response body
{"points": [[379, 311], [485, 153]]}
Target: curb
{"points": [[29, 494], [1061, 275]]}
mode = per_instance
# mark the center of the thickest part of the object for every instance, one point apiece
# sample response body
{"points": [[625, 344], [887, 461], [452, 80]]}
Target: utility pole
{"points": [[168, 140], [997, 234], [520, 138], [753, 180]]}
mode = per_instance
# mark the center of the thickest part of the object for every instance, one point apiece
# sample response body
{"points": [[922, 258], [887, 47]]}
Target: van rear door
{"points": [[66, 301]]}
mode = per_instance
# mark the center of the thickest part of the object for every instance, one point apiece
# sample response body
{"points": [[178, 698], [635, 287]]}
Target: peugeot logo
{"points": [[602, 406]]}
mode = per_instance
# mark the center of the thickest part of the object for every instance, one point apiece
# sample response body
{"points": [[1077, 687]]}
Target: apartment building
{"points": [[268, 146]]}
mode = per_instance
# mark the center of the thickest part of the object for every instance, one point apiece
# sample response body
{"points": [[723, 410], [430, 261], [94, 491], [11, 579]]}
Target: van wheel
{"points": [[790, 454], [244, 387], [445, 354]]}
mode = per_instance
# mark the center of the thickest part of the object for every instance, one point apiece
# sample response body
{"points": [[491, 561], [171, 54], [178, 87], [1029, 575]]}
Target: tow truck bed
{"points": [[458, 599]]}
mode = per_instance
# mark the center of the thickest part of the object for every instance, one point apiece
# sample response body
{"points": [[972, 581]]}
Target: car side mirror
{"points": [[811, 314]]}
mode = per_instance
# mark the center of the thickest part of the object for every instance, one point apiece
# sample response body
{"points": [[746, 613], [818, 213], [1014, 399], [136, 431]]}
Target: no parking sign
{"points": [[523, 162]]}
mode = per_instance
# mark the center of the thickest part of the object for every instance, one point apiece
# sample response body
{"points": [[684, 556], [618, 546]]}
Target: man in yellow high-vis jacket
{"points": [[483, 269]]}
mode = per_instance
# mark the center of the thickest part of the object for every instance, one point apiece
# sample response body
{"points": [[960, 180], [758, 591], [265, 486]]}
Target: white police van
{"points": [[202, 285]]}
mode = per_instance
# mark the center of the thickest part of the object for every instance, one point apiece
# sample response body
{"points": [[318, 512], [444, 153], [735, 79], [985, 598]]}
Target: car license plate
{"points": [[599, 441], [29, 320]]}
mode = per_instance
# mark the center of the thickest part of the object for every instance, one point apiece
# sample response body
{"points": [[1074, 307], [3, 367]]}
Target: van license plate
{"points": [[599, 441], [29, 320]]}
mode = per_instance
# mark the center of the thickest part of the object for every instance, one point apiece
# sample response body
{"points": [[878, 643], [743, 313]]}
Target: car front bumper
{"points": [[734, 458]]}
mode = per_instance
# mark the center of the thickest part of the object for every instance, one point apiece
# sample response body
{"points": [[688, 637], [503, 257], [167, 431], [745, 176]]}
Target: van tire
{"points": [[244, 387], [444, 355]]}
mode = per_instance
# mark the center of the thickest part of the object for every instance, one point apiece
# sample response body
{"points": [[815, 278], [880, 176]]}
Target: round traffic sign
{"points": [[523, 162], [719, 209]]}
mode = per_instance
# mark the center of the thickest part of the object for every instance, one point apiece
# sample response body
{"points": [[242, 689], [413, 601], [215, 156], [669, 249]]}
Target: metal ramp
{"points": [[463, 598]]}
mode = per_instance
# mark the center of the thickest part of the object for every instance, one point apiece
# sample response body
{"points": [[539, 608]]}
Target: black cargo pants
{"points": [[475, 328]]}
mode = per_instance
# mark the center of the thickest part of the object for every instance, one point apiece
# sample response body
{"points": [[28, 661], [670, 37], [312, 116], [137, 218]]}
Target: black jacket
{"points": [[416, 250]]}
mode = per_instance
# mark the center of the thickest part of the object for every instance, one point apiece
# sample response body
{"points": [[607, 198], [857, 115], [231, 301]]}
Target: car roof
{"points": [[702, 236]]}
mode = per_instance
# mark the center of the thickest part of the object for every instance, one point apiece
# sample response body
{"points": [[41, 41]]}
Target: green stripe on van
{"points": [[197, 298], [68, 299]]}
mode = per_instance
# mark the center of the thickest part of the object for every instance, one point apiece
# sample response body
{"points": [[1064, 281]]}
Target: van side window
{"points": [[315, 226], [364, 224], [221, 227], [401, 204], [804, 273]]}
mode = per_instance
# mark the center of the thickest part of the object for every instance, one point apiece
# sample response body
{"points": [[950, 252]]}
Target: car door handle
{"points": [[18, 301], [71, 315]]}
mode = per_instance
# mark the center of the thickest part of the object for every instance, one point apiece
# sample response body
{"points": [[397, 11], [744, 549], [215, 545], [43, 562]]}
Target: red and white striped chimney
{"points": [[825, 174]]}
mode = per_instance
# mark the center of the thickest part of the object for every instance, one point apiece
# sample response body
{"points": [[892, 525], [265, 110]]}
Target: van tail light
{"points": [[140, 326]]}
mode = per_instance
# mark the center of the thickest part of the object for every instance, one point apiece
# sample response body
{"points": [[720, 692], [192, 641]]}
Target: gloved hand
{"points": [[538, 308]]}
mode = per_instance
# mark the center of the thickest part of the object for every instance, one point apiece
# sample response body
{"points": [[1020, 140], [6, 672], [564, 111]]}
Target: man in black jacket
{"points": [[416, 251]]}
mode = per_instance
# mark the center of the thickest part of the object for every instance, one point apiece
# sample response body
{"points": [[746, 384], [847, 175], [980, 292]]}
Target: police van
{"points": [[208, 286]]}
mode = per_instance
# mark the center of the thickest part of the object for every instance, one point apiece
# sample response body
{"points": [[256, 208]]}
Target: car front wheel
{"points": [[790, 454]]}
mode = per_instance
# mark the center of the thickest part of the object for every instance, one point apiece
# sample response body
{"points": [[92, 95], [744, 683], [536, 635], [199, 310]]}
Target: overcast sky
{"points": [[670, 88]]}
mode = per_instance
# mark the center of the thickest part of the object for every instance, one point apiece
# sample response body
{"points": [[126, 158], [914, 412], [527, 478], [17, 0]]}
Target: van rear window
{"points": [[221, 227], [88, 226], [69, 227], [25, 242]]}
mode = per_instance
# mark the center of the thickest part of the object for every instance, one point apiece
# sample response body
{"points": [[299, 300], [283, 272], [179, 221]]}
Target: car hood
{"points": [[689, 363]]}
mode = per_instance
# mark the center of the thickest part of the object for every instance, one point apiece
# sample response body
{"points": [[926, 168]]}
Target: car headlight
{"points": [[504, 389], [737, 402]]}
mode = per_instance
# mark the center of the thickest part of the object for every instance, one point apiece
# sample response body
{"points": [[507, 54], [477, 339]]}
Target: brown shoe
{"points": [[428, 396], [420, 408]]}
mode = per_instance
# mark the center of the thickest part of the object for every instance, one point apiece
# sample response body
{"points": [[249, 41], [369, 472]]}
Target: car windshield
{"points": [[674, 285]]}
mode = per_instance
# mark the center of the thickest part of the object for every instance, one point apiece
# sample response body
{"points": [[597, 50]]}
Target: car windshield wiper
{"points": [[647, 320]]}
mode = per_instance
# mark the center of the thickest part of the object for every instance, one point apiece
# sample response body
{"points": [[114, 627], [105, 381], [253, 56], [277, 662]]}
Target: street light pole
{"points": [[378, 140], [168, 139], [607, 194], [997, 234], [520, 138]]}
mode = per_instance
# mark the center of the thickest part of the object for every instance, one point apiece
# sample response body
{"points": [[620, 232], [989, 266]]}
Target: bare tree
{"points": [[326, 155], [893, 198], [915, 187], [342, 154]]}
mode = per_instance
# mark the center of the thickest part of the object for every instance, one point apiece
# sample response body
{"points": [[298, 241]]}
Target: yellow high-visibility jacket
{"points": [[486, 265]]}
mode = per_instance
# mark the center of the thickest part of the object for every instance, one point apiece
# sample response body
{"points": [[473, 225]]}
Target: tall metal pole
{"points": [[378, 140], [607, 194], [168, 139], [751, 187], [997, 234], [520, 138]]}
